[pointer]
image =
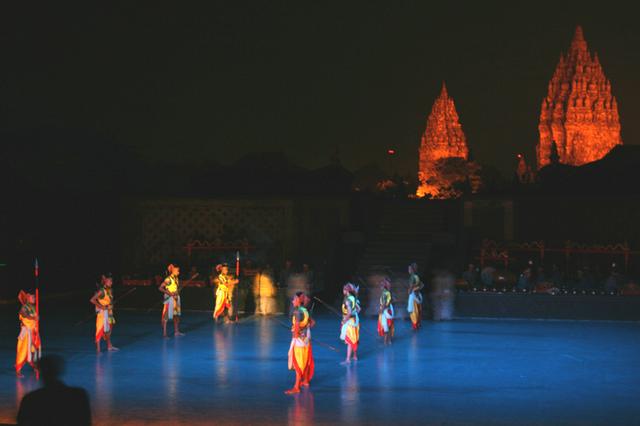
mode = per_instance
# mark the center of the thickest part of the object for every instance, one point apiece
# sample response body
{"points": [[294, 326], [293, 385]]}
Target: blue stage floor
{"points": [[460, 372]]}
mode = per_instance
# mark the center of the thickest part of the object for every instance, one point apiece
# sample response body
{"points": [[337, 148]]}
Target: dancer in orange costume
{"points": [[224, 292], [300, 351], [103, 301], [29, 348], [350, 328], [171, 308], [414, 304], [386, 313]]}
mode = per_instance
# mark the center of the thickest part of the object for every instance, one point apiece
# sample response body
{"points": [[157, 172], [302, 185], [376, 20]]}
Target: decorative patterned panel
{"points": [[166, 226]]}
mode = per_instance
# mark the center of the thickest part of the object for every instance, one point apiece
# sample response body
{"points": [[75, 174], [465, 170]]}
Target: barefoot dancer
{"points": [[28, 349], [414, 304], [103, 301], [350, 330], [300, 351], [171, 308], [385, 316], [224, 291]]}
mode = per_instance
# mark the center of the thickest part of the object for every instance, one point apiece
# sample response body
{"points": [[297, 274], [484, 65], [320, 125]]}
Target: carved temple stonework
{"points": [[579, 112], [443, 139]]}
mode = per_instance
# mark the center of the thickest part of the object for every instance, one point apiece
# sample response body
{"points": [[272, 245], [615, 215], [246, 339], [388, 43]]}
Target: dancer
{"points": [[29, 349], [224, 292], [414, 305], [300, 351], [350, 327], [103, 301], [385, 315], [414, 279], [171, 309]]}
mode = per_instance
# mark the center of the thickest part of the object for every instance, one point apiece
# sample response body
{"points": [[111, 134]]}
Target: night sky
{"points": [[214, 82]]}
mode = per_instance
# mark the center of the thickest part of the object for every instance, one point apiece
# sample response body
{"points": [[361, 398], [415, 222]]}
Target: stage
{"points": [[461, 372]]}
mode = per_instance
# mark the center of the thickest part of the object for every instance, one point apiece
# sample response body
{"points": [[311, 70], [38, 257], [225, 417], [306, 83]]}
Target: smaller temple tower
{"points": [[443, 139]]}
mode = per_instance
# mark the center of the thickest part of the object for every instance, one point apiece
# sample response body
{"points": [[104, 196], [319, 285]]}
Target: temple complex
{"points": [[579, 112], [443, 150]]}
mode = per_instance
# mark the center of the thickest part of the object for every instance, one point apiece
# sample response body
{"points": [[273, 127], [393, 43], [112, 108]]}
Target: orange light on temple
{"points": [[443, 138], [579, 114]]}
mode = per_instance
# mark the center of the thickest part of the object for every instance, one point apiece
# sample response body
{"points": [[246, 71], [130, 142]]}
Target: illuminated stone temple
{"points": [[579, 112], [443, 156]]}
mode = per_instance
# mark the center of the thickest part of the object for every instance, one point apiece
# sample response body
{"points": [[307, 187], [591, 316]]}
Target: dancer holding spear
{"points": [[103, 301], [226, 284], [170, 287], [29, 347], [300, 354], [350, 327]]}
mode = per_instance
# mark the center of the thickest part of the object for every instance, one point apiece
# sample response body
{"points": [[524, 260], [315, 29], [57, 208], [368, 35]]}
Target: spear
{"points": [[117, 299], [36, 273], [326, 345], [335, 311], [235, 299]]}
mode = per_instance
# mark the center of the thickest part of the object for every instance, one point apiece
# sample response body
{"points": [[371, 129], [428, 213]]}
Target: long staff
{"points": [[313, 339], [335, 311], [235, 287], [36, 273], [131, 290]]}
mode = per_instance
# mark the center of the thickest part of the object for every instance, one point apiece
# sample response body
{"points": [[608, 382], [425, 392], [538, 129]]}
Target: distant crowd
{"points": [[536, 278]]}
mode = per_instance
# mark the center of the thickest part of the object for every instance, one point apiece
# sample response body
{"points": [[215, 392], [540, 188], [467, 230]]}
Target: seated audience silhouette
{"points": [[55, 403]]}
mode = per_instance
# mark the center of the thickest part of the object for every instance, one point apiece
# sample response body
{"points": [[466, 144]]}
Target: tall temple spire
{"points": [[443, 138], [578, 36], [443, 91], [579, 112]]}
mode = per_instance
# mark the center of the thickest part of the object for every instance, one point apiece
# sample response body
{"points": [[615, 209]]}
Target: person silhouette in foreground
{"points": [[55, 403]]}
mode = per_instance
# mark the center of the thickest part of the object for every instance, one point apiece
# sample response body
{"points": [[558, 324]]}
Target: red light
{"points": [[391, 151]]}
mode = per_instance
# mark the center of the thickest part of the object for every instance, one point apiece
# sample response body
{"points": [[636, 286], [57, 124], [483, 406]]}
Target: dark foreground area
{"points": [[460, 372]]}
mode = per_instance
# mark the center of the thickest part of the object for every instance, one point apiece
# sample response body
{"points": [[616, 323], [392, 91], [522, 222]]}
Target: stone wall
{"points": [[155, 231]]}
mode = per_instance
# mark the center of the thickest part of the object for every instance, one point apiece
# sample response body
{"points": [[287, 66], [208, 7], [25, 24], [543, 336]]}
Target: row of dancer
{"points": [[350, 329], [300, 354], [172, 307], [29, 346]]}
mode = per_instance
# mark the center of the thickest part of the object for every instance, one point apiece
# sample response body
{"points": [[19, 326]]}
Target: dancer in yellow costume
{"points": [[103, 301], [414, 304], [350, 328], [29, 348], [171, 309], [224, 291], [300, 351], [386, 313]]}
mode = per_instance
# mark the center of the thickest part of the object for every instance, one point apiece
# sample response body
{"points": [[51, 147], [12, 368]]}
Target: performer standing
{"points": [[300, 351], [414, 305], [385, 315], [29, 349], [350, 327], [103, 301], [414, 279], [224, 291], [171, 309]]}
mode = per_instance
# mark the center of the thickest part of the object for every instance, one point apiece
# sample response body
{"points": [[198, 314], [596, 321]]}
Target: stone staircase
{"points": [[406, 232]]}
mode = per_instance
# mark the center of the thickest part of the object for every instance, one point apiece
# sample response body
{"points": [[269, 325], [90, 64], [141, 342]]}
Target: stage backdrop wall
{"points": [[155, 231]]}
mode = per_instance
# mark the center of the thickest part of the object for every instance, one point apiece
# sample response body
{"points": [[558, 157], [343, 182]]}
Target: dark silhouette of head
{"points": [[51, 368]]}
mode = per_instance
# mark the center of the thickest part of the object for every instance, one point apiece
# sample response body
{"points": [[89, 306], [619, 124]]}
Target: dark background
{"points": [[104, 100], [186, 84]]}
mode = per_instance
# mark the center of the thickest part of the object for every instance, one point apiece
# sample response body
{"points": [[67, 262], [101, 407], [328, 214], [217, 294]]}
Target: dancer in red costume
{"points": [[300, 350]]}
